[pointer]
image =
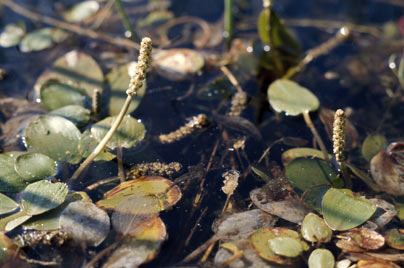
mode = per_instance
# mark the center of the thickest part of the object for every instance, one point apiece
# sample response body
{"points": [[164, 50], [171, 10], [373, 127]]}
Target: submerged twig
{"points": [[115, 40], [135, 83], [313, 130]]}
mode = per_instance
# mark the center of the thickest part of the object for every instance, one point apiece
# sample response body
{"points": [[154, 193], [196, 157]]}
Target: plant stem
{"points": [[126, 23], [228, 21], [313, 130]]}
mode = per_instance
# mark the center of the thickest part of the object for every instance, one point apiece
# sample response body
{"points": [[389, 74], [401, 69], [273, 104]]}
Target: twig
{"points": [[200, 249], [104, 13], [39, 262], [97, 184], [102, 253], [231, 78], [115, 40], [195, 226], [135, 83], [313, 130]]}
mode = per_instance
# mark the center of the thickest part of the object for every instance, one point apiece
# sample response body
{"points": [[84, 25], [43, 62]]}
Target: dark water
{"points": [[360, 66]]}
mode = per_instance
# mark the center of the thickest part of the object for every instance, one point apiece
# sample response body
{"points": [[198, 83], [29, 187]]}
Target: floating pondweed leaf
{"points": [[289, 97], [85, 223], [118, 80], [321, 258], [81, 11], [54, 136], [377, 263], [260, 242], [372, 145], [129, 133], [343, 211], [395, 238], [314, 175], [365, 238], [178, 64], [79, 115], [50, 220], [140, 248], [12, 224], [11, 35], [33, 167], [55, 95], [10, 181], [314, 229], [399, 206], [167, 193], [387, 169], [73, 69], [7, 204], [294, 153], [41, 39], [286, 246], [87, 145], [41, 196]]}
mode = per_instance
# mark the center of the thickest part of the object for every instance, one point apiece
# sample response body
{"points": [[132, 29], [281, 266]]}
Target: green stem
{"points": [[228, 21], [105, 140], [125, 20]]}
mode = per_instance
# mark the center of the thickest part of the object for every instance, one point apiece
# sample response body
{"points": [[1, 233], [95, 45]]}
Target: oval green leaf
{"points": [[41, 39], [129, 133], [314, 229], [11, 35], [41, 196], [343, 211], [32, 167], [373, 144], [286, 246], [289, 97], [54, 136], [10, 181], [7, 204], [81, 11], [55, 95], [312, 174], [395, 238], [294, 153], [79, 115], [118, 80], [321, 258]]}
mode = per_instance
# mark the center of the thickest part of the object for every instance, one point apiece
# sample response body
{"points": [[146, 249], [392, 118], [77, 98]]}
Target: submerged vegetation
{"points": [[231, 143]]}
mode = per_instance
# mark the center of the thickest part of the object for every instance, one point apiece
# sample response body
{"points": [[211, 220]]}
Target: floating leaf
{"points": [[129, 133], [85, 223], [41, 39], [79, 115], [289, 97], [54, 136], [12, 224], [33, 167], [178, 64], [377, 263], [7, 204], [373, 144], [41, 196], [343, 211], [11, 35], [395, 238], [10, 181], [285, 246], [81, 11], [314, 175], [365, 238], [118, 80], [314, 229], [87, 145], [321, 258], [294, 153], [76, 69], [399, 206], [260, 242], [140, 248], [55, 95], [167, 193], [50, 220]]}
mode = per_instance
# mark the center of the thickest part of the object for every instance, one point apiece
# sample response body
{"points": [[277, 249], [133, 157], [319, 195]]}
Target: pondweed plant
{"points": [[135, 83]]}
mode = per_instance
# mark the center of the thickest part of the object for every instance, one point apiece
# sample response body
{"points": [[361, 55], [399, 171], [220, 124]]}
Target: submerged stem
{"points": [[126, 23]]}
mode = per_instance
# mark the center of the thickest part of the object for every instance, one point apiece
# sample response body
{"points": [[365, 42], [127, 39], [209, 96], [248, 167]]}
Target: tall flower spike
{"points": [[143, 62], [338, 136]]}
